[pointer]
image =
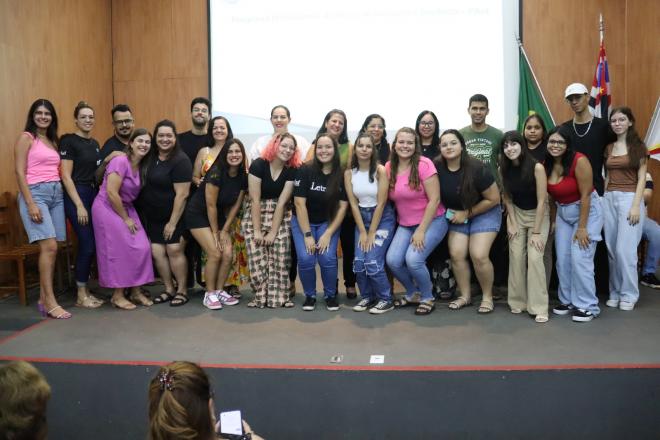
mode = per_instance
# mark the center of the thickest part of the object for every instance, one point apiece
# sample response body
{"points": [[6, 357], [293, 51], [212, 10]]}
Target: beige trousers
{"points": [[527, 288]]}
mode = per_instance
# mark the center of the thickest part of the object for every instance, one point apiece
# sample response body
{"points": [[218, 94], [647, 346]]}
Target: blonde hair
{"points": [[179, 403], [25, 394]]}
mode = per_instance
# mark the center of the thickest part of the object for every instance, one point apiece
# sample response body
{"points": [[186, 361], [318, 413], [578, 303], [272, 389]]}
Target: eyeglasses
{"points": [[556, 142], [427, 124], [123, 122]]}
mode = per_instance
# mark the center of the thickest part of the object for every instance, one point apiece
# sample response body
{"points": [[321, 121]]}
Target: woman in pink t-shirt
{"points": [[41, 199], [415, 191]]}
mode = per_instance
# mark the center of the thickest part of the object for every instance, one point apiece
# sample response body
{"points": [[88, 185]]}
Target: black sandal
{"points": [[163, 297], [402, 301], [179, 300], [424, 308]]}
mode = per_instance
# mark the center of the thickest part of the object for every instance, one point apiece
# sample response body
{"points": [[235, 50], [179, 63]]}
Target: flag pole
{"points": [[601, 28], [538, 86]]}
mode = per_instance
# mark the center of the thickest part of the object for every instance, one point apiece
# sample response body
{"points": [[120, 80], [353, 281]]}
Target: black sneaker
{"points": [[649, 280], [381, 307], [563, 309], [364, 304], [332, 304], [580, 315], [309, 304]]}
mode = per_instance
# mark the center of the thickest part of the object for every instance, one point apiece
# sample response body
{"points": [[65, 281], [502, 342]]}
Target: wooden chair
{"points": [[14, 248], [11, 250]]}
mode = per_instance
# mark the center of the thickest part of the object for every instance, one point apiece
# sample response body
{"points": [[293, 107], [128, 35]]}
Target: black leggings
{"points": [[347, 236]]}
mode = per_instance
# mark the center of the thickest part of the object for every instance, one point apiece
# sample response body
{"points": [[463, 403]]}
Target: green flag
{"points": [[530, 98]]}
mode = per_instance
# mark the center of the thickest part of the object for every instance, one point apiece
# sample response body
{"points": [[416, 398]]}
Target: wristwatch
{"points": [[308, 234]]}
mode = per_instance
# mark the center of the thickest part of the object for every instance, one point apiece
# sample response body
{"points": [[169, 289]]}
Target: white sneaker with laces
{"points": [[211, 301]]}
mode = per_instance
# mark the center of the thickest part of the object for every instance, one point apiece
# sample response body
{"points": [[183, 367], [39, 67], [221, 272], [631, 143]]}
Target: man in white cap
{"points": [[590, 135]]}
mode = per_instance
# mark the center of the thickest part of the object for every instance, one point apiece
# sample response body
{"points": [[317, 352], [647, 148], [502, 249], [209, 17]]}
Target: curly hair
{"points": [[413, 180]]}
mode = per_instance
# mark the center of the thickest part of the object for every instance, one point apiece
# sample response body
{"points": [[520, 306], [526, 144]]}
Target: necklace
{"points": [[585, 133]]}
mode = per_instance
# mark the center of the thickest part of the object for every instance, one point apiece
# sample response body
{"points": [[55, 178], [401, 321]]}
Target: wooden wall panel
{"points": [[55, 50], [160, 52], [561, 39]]}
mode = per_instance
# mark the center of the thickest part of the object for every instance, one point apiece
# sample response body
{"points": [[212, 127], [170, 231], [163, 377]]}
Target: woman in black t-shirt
{"points": [[267, 221], [320, 202], [536, 136], [210, 214], [525, 196], [79, 153], [470, 194], [162, 201]]}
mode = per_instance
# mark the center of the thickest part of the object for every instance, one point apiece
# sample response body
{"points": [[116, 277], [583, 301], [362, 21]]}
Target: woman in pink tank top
{"points": [[41, 201]]}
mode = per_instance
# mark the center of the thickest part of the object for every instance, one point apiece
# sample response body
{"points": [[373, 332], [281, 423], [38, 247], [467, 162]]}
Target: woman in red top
{"points": [[579, 221]]}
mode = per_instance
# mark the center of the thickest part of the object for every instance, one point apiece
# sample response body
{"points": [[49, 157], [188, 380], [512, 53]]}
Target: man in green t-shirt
{"points": [[481, 139]]}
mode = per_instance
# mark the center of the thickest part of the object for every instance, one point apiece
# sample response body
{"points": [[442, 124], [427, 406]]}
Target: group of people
{"points": [[181, 404], [197, 203]]}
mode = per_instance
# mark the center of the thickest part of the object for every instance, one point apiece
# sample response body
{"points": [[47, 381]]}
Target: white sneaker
{"points": [[614, 303], [627, 306], [211, 301], [226, 299]]}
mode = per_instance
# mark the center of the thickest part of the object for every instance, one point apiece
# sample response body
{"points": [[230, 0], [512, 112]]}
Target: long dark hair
{"points": [[538, 117], [334, 178], [154, 150], [569, 154], [210, 142], [221, 163], [383, 147], [526, 162], [373, 160], [435, 140], [343, 137], [413, 179], [468, 190], [31, 126], [637, 151]]}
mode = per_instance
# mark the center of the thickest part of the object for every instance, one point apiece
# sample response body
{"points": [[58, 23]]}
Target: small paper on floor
{"points": [[377, 359], [336, 359]]}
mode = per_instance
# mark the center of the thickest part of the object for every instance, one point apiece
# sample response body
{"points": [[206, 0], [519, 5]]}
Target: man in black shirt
{"points": [[123, 122], [191, 142], [590, 136]]}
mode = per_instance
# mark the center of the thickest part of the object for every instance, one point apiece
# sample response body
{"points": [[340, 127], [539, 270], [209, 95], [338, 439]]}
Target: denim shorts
{"points": [[489, 221], [49, 197]]}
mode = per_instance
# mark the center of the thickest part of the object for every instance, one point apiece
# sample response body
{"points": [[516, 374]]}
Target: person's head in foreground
{"points": [[24, 395]]}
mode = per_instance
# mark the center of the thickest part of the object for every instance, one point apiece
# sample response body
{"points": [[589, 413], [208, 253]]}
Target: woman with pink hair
{"points": [[267, 221]]}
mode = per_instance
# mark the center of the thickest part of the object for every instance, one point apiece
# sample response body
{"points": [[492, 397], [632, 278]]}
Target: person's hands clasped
{"points": [[223, 240], [459, 217], [258, 238], [366, 242], [269, 239]]}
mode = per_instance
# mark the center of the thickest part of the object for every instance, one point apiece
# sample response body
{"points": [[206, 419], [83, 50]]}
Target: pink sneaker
{"points": [[211, 301], [226, 299]]}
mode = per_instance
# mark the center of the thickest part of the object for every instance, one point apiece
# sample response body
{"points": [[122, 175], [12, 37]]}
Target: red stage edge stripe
{"points": [[449, 368], [22, 332]]}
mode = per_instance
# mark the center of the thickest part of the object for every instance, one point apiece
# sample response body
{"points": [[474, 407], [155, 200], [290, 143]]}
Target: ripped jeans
{"points": [[369, 267]]}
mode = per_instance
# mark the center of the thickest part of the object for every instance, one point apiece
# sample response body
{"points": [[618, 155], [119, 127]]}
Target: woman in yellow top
{"points": [[219, 135]]}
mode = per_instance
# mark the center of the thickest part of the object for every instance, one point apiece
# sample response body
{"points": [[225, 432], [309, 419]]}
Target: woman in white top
{"points": [[367, 189], [280, 117]]}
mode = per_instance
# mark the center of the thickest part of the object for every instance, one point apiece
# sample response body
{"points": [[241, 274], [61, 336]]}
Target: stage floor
{"points": [[239, 336]]}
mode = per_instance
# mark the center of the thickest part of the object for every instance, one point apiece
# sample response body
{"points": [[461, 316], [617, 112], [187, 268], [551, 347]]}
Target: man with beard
{"points": [[191, 142], [123, 122]]}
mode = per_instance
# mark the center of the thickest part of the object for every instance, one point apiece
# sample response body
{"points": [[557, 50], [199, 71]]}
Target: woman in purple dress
{"points": [[123, 252]]}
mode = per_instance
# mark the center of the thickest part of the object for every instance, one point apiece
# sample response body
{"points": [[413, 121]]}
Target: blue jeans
{"points": [[652, 234], [408, 265], [307, 262], [85, 233], [622, 240], [575, 266], [369, 267], [49, 199]]}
